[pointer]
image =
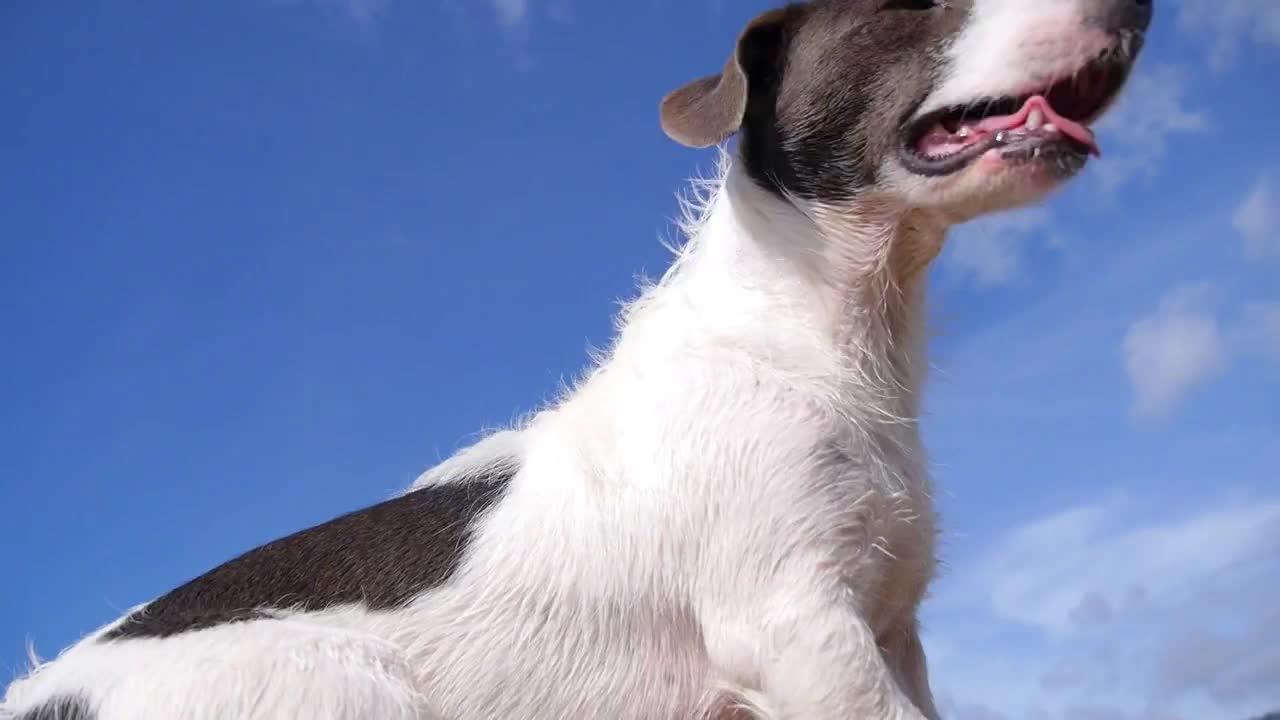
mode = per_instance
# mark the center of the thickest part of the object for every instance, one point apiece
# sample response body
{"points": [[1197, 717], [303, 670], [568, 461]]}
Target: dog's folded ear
{"points": [[708, 111]]}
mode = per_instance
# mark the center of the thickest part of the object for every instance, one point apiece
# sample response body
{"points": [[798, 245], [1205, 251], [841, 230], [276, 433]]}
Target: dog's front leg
{"points": [[810, 656]]}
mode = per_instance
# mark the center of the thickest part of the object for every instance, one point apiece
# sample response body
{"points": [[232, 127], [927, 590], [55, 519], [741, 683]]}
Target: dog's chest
{"points": [[775, 465], [877, 490]]}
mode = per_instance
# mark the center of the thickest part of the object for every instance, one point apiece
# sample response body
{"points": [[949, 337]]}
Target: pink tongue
{"points": [[1070, 128]]}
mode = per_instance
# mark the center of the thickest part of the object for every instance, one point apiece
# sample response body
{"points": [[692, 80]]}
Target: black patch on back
{"points": [[60, 708], [380, 557]]}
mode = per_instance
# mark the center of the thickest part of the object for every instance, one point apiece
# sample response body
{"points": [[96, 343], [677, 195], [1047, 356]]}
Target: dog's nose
{"points": [[1121, 16]]}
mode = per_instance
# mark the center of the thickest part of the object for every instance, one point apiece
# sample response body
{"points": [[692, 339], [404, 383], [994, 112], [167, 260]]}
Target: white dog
{"points": [[731, 515]]}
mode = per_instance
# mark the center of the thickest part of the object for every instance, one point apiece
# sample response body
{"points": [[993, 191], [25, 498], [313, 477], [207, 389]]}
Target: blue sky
{"points": [[262, 262]]}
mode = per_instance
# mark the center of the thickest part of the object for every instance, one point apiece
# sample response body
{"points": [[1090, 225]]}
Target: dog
{"points": [[730, 515]]}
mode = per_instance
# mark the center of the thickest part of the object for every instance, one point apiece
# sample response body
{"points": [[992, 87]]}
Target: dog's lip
{"points": [[1111, 68], [1062, 155], [929, 166]]}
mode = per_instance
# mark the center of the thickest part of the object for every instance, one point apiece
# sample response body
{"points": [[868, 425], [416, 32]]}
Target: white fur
{"points": [[1006, 48], [1014, 47], [744, 487], [303, 667], [731, 512], [498, 451]]}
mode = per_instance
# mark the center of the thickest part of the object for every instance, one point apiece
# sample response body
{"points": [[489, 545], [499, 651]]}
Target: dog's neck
{"points": [[833, 297]]}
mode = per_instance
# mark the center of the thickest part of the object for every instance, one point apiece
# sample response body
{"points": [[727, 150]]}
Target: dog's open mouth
{"points": [[1050, 123]]}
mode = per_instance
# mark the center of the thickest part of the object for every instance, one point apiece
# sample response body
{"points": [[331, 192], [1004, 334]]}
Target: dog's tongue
{"points": [[1048, 116], [1036, 112]]}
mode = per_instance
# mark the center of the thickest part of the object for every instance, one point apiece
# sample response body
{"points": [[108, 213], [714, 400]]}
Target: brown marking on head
{"points": [[817, 91], [709, 110], [832, 98]]}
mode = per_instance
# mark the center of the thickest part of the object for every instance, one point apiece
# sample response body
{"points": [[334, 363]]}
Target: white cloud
{"points": [[1088, 613], [1269, 323], [1170, 352], [1093, 609], [1118, 610], [1226, 665], [1262, 327], [1041, 574], [990, 250], [1231, 24], [1258, 220], [1135, 136], [364, 11], [1152, 110], [511, 13], [515, 17]]}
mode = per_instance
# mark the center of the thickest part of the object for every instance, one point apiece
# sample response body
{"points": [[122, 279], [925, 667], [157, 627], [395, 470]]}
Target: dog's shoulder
{"points": [[380, 557], [496, 452]]}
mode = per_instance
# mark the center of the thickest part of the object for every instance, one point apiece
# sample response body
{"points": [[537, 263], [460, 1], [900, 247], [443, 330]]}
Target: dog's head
{"points": [[964, 106]]}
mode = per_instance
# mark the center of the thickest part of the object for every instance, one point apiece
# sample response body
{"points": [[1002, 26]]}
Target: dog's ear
{"points": [[708, 111]]}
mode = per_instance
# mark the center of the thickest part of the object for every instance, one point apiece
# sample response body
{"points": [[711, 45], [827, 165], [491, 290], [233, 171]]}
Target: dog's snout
{"points": [[1123, 16]]}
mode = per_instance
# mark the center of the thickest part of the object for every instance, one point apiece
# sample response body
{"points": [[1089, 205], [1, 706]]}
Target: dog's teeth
{"points": [[963, 132], [1000, 136], [1035, 119], [1049, 128]]}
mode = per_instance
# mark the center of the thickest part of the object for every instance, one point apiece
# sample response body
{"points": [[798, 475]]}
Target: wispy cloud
{"points": [[1230, 25], [1258, 220], [1226, 665], [1142, 590], [1126, 612], [1137, 133], [1044, 573], [990, 250], [1092, 611], [1262, 328], [1136, 137], [511, 13], [364, 12], [1171, 351], [516, 18]]}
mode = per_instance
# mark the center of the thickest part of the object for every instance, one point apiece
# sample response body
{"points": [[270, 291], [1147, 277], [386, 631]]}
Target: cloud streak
{"points": [[511, 13], [1169, 353], [1262, 328], [364, 12], [1257, 220], [990, 250], [1152, 110], [1123, 611], [1231, 25], [1164, 554], [1136, 136], [1043, 573]]}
